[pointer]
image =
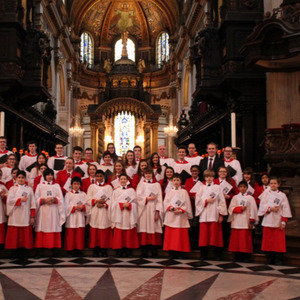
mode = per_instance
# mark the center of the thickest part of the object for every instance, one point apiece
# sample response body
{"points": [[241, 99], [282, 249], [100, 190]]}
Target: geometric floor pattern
{"points": [[148, 279]]}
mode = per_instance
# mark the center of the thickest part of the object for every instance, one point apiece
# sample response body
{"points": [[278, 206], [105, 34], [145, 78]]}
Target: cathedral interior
{"points": [[125, 71]]}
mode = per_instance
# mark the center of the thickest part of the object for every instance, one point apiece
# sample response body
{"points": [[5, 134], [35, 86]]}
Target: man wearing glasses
{"points": [[233, 165]]}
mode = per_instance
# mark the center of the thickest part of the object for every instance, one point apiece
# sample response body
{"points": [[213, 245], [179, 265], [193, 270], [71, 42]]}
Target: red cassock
{"points": [[86, 182], [62, 177]]}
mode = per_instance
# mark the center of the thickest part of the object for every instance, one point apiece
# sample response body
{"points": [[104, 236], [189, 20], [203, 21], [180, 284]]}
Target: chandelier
{"points": [[76, 130], [170, 130]]}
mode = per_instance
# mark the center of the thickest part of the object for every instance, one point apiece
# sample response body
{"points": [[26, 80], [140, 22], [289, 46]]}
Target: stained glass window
{"points": [[124, 132], [86, 48], [130, 49], [162, 48]]}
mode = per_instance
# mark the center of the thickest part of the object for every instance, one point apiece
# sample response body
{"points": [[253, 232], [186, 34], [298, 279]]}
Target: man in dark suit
{"points": [[212, 162]]}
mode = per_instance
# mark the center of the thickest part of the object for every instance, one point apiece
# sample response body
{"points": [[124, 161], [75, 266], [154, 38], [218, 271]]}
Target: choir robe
{"points": [[235, 164], [193, 160], [159, 176], [86, 182], [149, 230], [49, 217], [32, 175], [210, 229], [37, 181], [5, 152], [131, 170], [3, 213], [75, 220], [10, 184], [6, 174], [176, 235], [19, 231], [100, 222], [166, 161], [26, 161], [273, 237], [62, 177], [182, 167], [104, 168], [124, 220], [241, 234]]}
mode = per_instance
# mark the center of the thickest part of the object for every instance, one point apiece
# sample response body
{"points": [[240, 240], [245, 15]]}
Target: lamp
{"points": [[76, 130], [170, 130]]}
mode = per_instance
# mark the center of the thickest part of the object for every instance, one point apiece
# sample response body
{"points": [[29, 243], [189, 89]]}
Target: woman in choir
{"points": [[39, 179], [253, 187], [107, 166], [157, 168], [150, 209], [119, 169], [20, 209], [167, 183], [111, 148], [86, 182], [242, 217], [124, 214], [139, 175], [275, 210], [50, 213], [130, 164], [35, 171], [11, 163], [178, 211]]}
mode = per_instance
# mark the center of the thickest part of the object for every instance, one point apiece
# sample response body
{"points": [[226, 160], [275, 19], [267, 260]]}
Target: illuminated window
{"points": [[130, 49], [162, 48], [124, 132], [86, 48]]}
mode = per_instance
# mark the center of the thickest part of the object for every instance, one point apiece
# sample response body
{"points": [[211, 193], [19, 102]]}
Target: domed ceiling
{"points": [[106, 19]]}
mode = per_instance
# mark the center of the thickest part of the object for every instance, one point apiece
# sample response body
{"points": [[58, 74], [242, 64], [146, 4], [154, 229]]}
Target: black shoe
{"points": [[104, 252], [95, 253]]}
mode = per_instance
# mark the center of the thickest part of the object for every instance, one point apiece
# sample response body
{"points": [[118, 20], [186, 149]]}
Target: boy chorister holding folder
{"points": [[210, 207], [76, 211], [275, 209], [20, 209], [242, 217], [150, 208], [178, 210], [50, 213], [99, 200], [124, 216]]}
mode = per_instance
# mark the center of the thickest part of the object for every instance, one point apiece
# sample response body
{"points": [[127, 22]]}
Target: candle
{"points": [[233, 130], [2, 119]]}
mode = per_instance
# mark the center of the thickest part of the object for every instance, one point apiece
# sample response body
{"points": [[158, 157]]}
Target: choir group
{"points": [[148, 203]]}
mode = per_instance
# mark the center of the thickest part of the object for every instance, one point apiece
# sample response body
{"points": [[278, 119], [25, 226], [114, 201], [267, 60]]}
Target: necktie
{"points": [[149, 181], [69, 174], [210, 164], [77, 192], [93, 180], [49, 183], [124, 188], [209, 184]]}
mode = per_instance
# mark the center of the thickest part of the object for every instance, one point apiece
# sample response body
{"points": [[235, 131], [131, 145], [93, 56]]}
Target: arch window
{"points": [[130, 49], [162, 48], [86, 48], [124, 132]]}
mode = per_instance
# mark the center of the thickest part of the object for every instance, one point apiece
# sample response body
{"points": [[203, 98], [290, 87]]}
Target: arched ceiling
{"points": [[106, 19]]}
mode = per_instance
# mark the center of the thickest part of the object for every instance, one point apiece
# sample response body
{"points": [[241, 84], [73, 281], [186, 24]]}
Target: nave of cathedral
{"points": [[155, 73]]}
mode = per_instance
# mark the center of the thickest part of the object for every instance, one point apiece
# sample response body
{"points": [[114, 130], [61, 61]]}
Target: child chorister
{"points": [[178, 210], [124, 216], [76, 212], [275, 209], [150, 208], [50, 213], [211, 207], [99, 199], [242, 216], [20, 209]]}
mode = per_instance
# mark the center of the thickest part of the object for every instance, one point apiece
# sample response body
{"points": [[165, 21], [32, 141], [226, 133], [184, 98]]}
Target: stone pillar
{"points": [[94, 139], [154, 144], [101, 135], [147, 130]]}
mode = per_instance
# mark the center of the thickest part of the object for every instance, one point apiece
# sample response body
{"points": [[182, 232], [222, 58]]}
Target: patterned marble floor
{"points": [[131, 278]]}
